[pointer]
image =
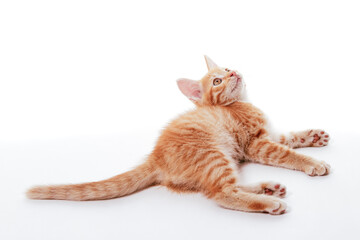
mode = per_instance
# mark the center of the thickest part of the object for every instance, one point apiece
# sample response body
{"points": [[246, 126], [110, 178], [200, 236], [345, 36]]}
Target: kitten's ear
{"points": [[210, 63], [190, 88]]}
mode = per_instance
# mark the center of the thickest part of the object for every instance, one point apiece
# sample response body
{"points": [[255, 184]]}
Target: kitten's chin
{"points": [[239, 93]]}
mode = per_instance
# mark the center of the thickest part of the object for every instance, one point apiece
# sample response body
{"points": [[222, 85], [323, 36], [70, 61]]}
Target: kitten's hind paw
{"points": [[316, 138], [274, 189], [268, 188], [278, 207]]}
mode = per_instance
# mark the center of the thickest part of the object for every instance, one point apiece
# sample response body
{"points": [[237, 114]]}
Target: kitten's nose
{"points": [[233, 74]]}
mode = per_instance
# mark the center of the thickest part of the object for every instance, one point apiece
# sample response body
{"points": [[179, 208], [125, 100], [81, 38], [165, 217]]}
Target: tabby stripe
{"points": [[215, 167], [287, 152], [270, 150], [203, 162], [211, 96], [205, 167], [259, 147], [218, 96], [227, 172], [282, 159], [214, 97], [210, 157]]}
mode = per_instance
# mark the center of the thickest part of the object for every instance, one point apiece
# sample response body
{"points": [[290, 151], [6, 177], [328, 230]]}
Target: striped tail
{"points": [[141, 177]]}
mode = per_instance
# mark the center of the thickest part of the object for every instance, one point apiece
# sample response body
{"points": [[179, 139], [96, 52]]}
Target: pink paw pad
{"points": [[268, 191], [316, 138]]}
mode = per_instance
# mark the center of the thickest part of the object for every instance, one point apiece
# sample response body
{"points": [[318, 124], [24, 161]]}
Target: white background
{"points": [[86, 86]]}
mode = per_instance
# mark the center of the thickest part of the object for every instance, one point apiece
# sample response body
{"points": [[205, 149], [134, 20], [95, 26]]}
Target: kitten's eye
{"points": [[217, 81], [226, 69]]}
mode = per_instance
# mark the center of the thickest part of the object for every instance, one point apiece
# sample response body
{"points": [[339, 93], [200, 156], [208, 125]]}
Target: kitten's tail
{"points": [[141, 177]]}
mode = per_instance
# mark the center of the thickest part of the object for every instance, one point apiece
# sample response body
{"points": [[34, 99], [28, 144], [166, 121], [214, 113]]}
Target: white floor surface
{"points": [[319, 207]]}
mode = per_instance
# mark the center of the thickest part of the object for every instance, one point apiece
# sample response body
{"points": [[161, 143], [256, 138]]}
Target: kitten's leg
{"points": [[218, 182], [268, 188], [234, 198], [267, 152], [308, 138]]}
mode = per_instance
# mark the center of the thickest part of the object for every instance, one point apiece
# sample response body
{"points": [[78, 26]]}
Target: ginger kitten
{"points": [[200, 150]]}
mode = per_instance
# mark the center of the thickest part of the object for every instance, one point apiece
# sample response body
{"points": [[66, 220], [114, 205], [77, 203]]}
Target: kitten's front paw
{"points": [[318, 169], [316, 138], [274, 189], [277, 207]]}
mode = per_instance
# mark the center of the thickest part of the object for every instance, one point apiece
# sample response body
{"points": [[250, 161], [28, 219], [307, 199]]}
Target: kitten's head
{"points": [[220, 86]]}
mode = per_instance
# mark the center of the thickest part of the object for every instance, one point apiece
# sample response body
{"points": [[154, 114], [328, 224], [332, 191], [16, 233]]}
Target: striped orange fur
{"points": [[200, 150]]}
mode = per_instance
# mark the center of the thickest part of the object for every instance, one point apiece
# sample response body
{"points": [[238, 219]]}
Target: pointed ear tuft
{"points": [[190, 88], [210, 63]]}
